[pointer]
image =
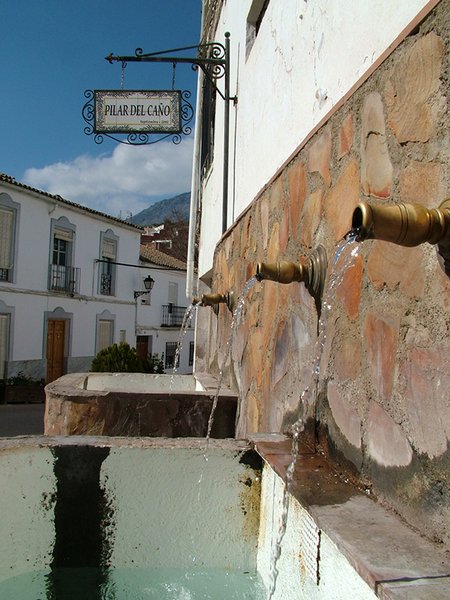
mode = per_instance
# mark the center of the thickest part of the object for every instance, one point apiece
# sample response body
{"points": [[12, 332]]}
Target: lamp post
{"points": [[148, 284]]}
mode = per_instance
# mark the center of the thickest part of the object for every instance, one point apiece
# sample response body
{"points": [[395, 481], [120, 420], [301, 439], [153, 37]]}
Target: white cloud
{"points": [[130, 179]]}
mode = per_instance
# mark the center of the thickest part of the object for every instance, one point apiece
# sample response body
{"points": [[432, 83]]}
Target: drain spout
{"points": [[405, 225]]}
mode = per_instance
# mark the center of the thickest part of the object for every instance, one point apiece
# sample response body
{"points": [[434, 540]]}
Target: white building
{"points": [[67, 280], [160, 314]]}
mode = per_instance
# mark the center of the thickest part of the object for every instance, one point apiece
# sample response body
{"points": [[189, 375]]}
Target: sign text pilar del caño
{"points": [[131, 111]]}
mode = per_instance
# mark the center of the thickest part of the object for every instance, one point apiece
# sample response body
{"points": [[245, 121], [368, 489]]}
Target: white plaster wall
{"points": [[26, 519], [337, 578], [173, 508], [305, 58]]}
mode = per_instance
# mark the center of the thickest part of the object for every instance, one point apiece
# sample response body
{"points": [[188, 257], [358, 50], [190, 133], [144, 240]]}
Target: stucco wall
{"points": [[383, 405]]}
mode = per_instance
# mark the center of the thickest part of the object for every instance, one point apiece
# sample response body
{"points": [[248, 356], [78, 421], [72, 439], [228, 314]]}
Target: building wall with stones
{"points": [[383, 407]]}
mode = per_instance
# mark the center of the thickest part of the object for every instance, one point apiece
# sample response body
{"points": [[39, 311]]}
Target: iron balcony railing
{"points": [[106, 284], [172, 316], [64, 279]]}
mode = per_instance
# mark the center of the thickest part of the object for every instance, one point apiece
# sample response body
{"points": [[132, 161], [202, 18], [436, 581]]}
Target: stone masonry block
{"points": [[423, 183], [426, 376], [297, 193], [376, 166], [392, 265], [341, 200], [412, 90], [345, 136], [380, 341], [386, 442], [347, 362], [349, 289], [319, 156], [344, 415], [312, 211]]}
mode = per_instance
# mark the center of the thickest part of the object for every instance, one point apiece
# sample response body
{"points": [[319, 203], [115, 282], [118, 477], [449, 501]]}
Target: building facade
{"points": [[68, 277]]}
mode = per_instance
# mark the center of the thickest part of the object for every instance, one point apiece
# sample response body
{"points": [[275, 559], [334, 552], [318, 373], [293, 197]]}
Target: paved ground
{"points": [[21, 419]]}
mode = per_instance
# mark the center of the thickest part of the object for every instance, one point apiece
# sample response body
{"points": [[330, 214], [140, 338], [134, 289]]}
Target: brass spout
{"points": [[402, 224], [405, 225], [215, 299], [312, 273], [282, 272]]}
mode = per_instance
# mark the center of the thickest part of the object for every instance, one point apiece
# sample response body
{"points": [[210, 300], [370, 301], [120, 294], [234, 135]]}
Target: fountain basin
{"points": [[137, 404], [83, 507], [111, 504]]}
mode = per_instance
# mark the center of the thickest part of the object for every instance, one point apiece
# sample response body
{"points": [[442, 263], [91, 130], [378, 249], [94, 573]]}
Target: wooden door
{"points": [[144, 344], [56, 330]]}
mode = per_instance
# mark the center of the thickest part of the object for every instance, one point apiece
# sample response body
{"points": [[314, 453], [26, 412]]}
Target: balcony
{"points": [[106, 284], [172, 316], [64, 279]]}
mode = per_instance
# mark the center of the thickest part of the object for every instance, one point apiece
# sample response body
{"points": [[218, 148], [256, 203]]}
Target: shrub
{"points": [[122, 358], [153, 364], [21, 379]]}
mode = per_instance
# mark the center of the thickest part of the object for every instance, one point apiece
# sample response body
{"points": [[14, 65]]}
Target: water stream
{"points": [[344, 259], [187, 318], [235, 321]]}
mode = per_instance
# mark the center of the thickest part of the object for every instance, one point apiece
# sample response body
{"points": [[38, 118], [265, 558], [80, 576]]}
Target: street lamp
{"points": [[148, 284]]}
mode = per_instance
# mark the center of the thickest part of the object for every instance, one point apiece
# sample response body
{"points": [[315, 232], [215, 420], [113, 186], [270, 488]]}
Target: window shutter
{"points": [[104, 334], [173, 293], [6, 237], [4, 333], [108, 249], [62, 234]]}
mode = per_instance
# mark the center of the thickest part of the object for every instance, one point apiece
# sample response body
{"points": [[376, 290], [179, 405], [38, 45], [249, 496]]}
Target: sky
{"points": [[54, 50]]}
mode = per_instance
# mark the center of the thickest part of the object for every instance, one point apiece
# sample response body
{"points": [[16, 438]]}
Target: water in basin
{"points": [[133, 584]]}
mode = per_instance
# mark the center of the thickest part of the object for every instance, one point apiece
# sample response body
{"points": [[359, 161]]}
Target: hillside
{"points": [[174, 209]]}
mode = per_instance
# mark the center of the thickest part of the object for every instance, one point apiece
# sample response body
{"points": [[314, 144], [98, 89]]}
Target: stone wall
{"points": [[383, 408]]}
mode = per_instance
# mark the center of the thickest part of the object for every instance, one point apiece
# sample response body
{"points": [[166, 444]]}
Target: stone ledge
{"points": [[395, 561]]}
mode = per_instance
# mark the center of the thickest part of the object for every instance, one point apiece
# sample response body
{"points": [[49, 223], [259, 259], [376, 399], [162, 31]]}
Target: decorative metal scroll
{"points": [[141, 138]]}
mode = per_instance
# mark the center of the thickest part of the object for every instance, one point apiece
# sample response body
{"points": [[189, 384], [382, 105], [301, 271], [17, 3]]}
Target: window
{"points": [[105, 334], [8, 224], [108, 255], [4, 341], [191, 353], [171, 348], [63, 277], [208, 124], [254, 20]]}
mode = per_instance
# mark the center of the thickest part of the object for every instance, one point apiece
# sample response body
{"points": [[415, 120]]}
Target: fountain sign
{"points": [[132, 111]]}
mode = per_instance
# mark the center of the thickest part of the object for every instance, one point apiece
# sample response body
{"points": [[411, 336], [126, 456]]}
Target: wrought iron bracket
{"points": [[215, 66]]}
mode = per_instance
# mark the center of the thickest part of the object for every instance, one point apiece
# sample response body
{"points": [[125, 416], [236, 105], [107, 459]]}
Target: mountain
{"points": [[173, 209]]}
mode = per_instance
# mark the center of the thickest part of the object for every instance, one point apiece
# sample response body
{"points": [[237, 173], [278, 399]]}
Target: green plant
{"points": [[118, 358], [21, 379], [153, 364], [122, 358]]}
